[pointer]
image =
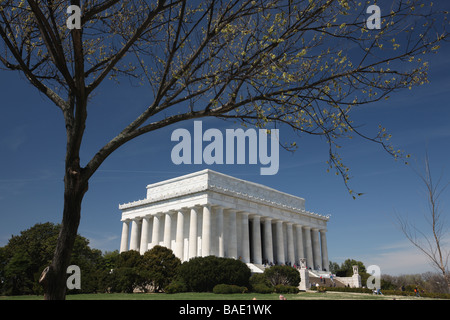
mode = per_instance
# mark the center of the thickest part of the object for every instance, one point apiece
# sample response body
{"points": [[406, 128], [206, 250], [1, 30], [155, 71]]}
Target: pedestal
{"points": [[304, 276]]}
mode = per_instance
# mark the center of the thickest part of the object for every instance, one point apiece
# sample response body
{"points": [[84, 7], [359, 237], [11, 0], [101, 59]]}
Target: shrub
{"points": [[228, 289], [175, 287], [259, 278], [261, 288], [280, 288], [158, 267], [345, 289], [124, 279], [260, 284], [201, 274], [284, 275]]}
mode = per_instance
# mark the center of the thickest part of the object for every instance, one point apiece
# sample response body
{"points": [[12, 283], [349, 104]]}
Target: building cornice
{"points": [[209, 180]]}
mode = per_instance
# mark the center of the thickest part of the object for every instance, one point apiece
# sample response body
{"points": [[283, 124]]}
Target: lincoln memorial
{"points": [[210, 213]]}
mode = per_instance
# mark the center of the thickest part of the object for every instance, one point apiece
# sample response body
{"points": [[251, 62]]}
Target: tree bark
{"points": [[53, 278]]}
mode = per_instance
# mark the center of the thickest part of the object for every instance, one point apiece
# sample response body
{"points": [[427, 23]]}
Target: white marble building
{"points": [[210, 213]]}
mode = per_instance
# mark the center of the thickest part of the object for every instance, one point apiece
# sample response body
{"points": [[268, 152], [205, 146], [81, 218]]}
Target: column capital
{"points": [[217, 207], [195, 207]]}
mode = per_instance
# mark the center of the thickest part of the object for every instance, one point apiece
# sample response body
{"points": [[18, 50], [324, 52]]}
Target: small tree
{"points": [[125, 276], [282, 275], [24, 257], [158, 267], [203, 273], [431, 242]]}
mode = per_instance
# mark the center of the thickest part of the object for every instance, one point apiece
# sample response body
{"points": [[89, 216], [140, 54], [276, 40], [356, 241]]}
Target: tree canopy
{"points": [[301, 64], [305, 64], [26, 255]]}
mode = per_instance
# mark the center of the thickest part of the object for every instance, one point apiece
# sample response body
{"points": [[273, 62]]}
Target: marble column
{"points": [[193, 233], [155, 232], [290, 243], [308, 247], [256, 240], [323, 243], [316, 249], [124, 239], [232, 244], [280, 243], [168, 230], [134, 241], [245, 238], [144, 235], [268, 246], [221, 243], [179, 239], [299, 236], [206, 231]]}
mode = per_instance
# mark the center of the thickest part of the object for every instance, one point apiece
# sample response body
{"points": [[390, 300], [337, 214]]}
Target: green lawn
{"points": [[212, 296]]}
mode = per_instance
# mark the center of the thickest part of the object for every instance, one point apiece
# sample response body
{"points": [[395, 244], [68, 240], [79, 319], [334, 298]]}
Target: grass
{"points": [[211, 296]]}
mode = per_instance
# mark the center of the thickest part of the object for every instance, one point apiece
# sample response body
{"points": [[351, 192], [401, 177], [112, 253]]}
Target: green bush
{"points": [[228, 289], [284, 275], [175, 287], [422, 294], [388, 292], [345, 289], [201, 274], [158, 267], [259, 278], [280, 288], [261, 288]]}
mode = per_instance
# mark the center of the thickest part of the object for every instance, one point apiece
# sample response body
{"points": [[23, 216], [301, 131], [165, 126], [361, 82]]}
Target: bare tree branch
{"points": [[430, 242]]}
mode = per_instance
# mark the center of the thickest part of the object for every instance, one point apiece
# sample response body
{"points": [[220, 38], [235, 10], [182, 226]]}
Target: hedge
{"points": [[388, 292], [261, 288], [201, 274], [285, 289], [175, 287], [228, 289]]}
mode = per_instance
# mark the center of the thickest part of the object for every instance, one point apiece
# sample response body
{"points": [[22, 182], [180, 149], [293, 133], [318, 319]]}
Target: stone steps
{"points": [[326, 281]]}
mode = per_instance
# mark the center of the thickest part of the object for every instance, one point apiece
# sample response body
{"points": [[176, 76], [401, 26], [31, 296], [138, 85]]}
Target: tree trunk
{"points": [[53, 278]]}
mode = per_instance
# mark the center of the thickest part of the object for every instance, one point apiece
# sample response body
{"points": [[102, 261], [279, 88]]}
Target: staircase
{"points": [[256, 268], [314, 278]]}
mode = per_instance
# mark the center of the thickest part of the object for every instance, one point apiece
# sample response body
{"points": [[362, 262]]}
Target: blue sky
{"points": [[32, 150]]}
